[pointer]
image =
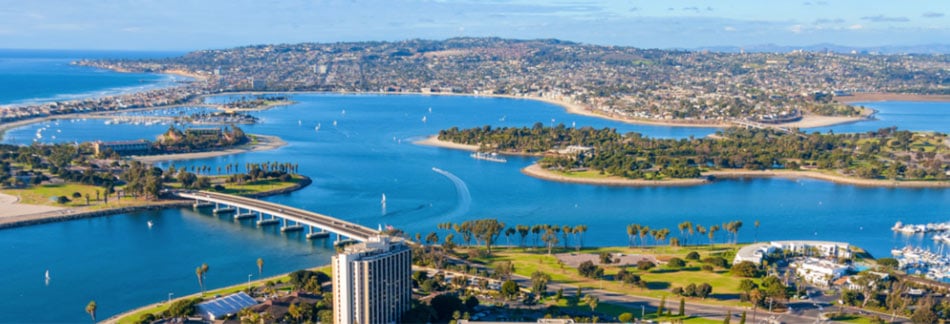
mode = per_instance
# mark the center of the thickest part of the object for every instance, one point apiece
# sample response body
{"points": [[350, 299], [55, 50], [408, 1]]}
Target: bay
{"points": [[369, 152]]}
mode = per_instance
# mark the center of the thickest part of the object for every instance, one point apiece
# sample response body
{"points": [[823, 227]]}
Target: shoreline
{"points": [[66, 214], [264, 143], [535, 170], [883, 97]]}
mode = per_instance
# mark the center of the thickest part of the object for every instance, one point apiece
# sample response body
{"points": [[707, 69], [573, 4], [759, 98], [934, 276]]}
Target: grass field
{"points": [[659, 280], [44, 195]]}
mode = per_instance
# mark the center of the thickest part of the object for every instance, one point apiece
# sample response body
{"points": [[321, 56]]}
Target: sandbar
{"points": [[264, 142]]}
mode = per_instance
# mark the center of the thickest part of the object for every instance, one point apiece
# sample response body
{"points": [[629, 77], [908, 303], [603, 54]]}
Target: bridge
{"points": [[279, 214]]}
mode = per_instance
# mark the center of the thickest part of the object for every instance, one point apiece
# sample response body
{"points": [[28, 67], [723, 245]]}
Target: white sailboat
{"points": [[150, 224], [423, 119], [383, 201], [47, 275]]}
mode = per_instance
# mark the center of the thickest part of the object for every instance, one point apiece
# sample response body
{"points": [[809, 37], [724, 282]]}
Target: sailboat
{"points": [[150, 224], [47, 275], [384, 199], [317, 128], [423, 119]]}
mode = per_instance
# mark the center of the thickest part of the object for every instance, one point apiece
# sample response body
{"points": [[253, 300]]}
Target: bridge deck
{"points": [[341, 227]]}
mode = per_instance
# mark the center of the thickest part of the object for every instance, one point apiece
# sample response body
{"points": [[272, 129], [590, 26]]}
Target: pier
{"points": [[290, 218]]}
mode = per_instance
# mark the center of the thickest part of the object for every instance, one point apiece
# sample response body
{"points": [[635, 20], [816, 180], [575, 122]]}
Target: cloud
{"points": [[729, 28], [634, 9], [693, 9], [932, 14], [883, 18], [855, 27], [796, 29], [828, 21]]}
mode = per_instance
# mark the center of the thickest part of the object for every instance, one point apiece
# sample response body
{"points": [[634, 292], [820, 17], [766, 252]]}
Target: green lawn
{"points": [[615, 310], [43, 195], [660, 280]]}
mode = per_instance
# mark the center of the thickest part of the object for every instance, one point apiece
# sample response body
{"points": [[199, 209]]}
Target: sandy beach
{"points": [[434, 141], [10, 207], [877, 96], [264, 142], [842, 179], [537, 171]]}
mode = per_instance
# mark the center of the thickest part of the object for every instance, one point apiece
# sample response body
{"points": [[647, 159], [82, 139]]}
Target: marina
{"points": [[921, 228], [934, 265]]}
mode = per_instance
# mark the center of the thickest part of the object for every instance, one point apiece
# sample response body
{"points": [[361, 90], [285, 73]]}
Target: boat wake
{"points": [[464, 196]]}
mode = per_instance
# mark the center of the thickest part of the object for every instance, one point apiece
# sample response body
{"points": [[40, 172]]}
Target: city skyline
{"points": [[179, 25]]}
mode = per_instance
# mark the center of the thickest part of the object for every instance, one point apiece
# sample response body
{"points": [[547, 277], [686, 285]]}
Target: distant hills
{"points": [[824, 47]]}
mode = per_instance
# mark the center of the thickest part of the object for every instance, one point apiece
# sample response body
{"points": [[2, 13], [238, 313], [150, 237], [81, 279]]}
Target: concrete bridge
{"points": [[290, 219]]}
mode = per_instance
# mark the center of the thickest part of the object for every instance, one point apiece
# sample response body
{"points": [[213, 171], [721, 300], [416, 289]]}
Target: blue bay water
{"points": [[369, 153]]}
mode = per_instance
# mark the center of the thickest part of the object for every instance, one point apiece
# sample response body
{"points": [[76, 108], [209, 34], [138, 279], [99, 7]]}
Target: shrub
{"points": [[645, 265], [692, 256], [707, 267], [676, 263], [677, 290], [716, 262]]}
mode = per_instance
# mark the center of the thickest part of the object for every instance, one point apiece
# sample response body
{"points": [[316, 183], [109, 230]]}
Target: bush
{"points": [[645, 265], [589, 270], [716, 262], [745, 269], [218, 187], [707, 267], [889, 263], [677, 290], [692, 256], [676, 263], [625, 318]]}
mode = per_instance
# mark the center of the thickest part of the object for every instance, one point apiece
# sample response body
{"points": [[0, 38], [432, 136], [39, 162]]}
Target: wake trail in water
{"points": [[461, 190]]}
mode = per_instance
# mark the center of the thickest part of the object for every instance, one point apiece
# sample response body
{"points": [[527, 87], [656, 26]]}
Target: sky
{"points": [[208, 24]]}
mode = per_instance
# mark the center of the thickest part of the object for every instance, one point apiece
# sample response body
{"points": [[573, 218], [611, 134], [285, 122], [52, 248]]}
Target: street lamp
{"points": [[249, 281]]}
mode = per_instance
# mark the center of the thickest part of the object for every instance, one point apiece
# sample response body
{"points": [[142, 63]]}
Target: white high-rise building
{"points": [[372, 282]]}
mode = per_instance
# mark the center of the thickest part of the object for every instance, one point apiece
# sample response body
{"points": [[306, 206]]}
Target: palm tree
{"points": [[200, 272], [580, 229], [683, 229], [632, 231], [644, 230], [712, 233], [91, 309], [260, 266], [508, 232]]}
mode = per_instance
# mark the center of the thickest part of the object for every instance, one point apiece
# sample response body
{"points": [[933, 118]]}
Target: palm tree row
{"points": [[687, 229], [550, 234]]}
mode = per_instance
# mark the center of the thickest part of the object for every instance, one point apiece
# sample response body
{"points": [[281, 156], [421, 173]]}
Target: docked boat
{"points": [[493, 157]]}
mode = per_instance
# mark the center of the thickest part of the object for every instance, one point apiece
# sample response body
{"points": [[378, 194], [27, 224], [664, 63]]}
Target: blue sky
{"points": [[202, 24]]}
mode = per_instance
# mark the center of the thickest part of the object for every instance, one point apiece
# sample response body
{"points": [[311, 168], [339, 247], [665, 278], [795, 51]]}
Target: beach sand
{"points": [[537, 171], [10, 207], [264, 142], [434, 141]]}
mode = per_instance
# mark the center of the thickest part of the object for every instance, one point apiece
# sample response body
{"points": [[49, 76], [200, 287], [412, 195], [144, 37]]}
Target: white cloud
{"points": [[729, 28], [796, 29], [855, 27]]}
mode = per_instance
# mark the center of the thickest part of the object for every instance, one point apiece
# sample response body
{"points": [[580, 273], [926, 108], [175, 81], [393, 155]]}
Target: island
{"points": [[887, 157]]}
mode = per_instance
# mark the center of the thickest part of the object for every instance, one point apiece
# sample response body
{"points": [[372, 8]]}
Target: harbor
{"points": [[492, 157]]}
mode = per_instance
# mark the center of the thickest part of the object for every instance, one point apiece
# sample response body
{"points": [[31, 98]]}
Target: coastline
{"points": [[536, 171], [28, 218], [264, 142], [880, 97]]}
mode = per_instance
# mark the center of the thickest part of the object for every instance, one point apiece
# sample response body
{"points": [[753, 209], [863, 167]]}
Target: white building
{"points": [[756, 252], [372, 281], [820, 272]]}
